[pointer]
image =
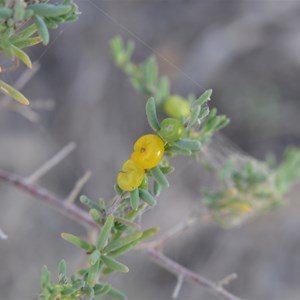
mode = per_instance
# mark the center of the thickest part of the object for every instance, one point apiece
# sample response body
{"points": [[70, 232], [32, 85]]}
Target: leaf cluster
{"points": [[26, 23], [251, 186]]}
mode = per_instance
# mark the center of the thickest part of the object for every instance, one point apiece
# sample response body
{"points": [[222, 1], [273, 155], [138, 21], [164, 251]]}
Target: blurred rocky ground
{"points": [[248, 51]]}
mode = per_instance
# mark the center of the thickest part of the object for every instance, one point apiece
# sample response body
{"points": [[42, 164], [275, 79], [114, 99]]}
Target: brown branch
{"points": [[82, 217], [51, 163], [71, 210], [178, 270]]}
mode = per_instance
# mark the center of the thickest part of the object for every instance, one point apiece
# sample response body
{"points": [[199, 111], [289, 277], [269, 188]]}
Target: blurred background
{"points": [[248, 51]]}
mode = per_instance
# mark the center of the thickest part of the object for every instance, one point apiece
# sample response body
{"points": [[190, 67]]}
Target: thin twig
{"points": [[227, 280], [177, 287], [175, 230], [115, 203], [82, 217], [52, 162], [3, 236], [53, 200], [78, 187], [178, 270]]}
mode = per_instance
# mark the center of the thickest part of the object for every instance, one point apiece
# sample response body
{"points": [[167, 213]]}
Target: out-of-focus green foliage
{"points": [[25, 23], [251, 186]]}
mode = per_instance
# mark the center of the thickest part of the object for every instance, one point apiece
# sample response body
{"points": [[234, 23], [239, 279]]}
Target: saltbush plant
{"points": [[247, 186]]}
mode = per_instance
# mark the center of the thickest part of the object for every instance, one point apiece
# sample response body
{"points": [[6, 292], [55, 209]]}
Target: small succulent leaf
{"points": [[94, 257], [28, 42], [113, 264], [123, 250], [93, 274], [134, 199], [13, 93], [42, 29], [188, 144], [159, 176], [156, 188], [147, 197], [121, 242], [49, 10], [148, 233], [105, 231], [150, 70], [94, 213], [194, 116], [203, 98], [5, 12], [20, 54], [78, 242], [62, 271], [151, 114], [46, 277], [88, 202], [24, 34], [116, 294]]}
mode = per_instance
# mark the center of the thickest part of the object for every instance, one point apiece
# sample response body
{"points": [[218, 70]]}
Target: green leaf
{"points": [[19, 11], [46, 277], [116, 46], [147, 197], [126, 223], [151, 114], [204, 112], [5, 12], [116, 294], [94, 257], [159, 176], [147, 234], [20, 54], [179, 151], [93, 274], [194, 116], [106, 271], [203, 98], [118, 190], [192, 145], [150, 70], [121, 242], [13, 93], [28, 42], [163, 90], [62, 271], [134, 199], [88, 202], [222, 122], [105, 231], [288, 171], [113, 264], [49, 10], [78, 242], [42, 29], [78, 284], [94, 213], [123, 250], [156, 188], [102, 289], [24, 34], [167, 169], [67, 291]]}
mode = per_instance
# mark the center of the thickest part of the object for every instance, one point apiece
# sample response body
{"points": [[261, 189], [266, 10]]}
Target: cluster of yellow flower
{"points": [[148, 152]]}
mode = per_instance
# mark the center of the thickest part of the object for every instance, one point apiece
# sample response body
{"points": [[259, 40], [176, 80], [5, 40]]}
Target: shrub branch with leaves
{"points": [[25, 23], [248, 186]]}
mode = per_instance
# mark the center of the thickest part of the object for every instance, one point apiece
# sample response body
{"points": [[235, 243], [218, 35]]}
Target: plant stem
{"points": [[71, 210], [79, 215], [178, 270]]}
